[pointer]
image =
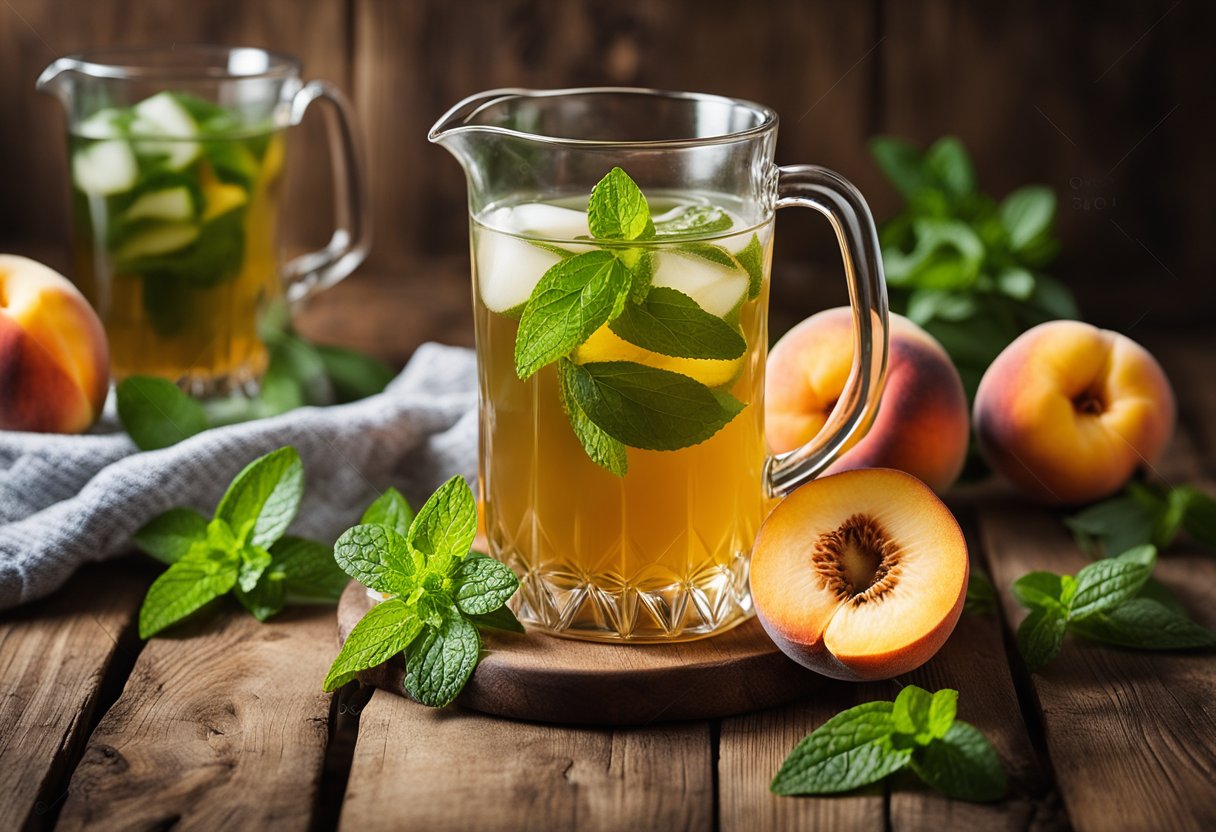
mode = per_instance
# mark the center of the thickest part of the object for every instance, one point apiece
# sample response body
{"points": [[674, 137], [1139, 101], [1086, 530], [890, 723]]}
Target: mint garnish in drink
{"points": [[612, 405], [438, 594]]}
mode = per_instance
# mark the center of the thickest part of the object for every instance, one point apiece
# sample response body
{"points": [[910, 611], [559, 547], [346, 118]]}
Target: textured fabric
{"points": [[67, 500]]}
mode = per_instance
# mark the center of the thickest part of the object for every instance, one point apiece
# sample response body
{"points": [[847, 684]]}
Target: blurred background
{"points": [[1106, 105]]}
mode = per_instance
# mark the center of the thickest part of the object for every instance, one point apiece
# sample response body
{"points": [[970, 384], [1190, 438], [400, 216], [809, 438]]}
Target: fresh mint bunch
{"points": [[919, 731], [981, 594], [618, 404], [961, 264], [242, 549], [438, 593], [1112, 601], [1145, 514]]}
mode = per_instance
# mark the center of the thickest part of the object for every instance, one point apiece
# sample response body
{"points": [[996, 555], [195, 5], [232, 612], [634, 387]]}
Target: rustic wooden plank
{"points": [[57, 659], [416, 768], [222, 725], [1189, 359], [1131, 735]]}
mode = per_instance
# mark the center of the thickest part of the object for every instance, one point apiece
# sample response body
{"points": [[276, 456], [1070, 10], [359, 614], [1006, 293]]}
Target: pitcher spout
{"points": [[54, 79], [462, 119]]}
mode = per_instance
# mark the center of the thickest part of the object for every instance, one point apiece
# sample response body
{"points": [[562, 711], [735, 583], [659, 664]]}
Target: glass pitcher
{"points": [[175, 156], [621, 341]]}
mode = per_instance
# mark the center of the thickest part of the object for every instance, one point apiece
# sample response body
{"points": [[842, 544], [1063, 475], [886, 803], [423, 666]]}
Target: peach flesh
{"points": [[860, 575]]}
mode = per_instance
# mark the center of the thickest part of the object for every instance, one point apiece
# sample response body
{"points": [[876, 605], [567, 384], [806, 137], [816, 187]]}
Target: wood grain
{"points": [[56, 657], [548, 679], [416, 768], [222, 725]]}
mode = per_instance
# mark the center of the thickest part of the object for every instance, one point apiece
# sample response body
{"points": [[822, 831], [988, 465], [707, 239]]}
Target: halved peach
{"points": [[860, 575]]}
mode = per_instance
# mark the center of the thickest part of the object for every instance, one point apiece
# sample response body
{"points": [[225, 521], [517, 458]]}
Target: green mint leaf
{"points": [[156, 413], [447, 523], [645, 407], [379, 558], [693, 221], [352, 374], [254, 560], [981, 595], [900, 162], [617, 209], [1027, 214], [199, 577], [850, 750], [962, 764], [710, 252], [572, 300], [264, 498], [499, 619], [1163, 595], [483, 585], [1108, 583], [1040, 590], [384, 631], [641, 272], [671, 323], [910, 714], [942, 711], [1145, 624], [266, 598], [1040, 636], [1199, 517], [438, 664], [947, 162], [751, 258], [308, 569], [1016, 282], [602, 449], [169, 536], [1114, 526], [390, 509]]}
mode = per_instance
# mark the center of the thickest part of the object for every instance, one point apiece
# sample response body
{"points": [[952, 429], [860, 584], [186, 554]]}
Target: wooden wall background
{"points": [[1109, 104]]}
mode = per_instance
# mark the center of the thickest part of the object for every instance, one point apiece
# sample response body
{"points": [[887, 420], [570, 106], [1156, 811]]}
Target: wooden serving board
{"points": [[548, 679]]}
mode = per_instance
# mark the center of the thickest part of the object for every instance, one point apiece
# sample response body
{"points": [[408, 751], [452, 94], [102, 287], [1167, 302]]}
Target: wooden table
{"points": [[223, 725]]}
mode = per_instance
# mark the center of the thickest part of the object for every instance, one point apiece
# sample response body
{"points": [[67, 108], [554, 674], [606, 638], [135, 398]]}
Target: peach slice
{"points": [[860, 575]]}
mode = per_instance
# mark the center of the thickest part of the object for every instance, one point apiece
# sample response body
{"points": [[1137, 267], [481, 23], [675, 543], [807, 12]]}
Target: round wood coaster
{"points": [[548, 679]]}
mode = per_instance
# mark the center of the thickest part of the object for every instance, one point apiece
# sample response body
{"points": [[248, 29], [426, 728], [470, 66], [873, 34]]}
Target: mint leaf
{"points": [[308, 569], [947, 162], [708, 251], [942, 711], [1027, 213], [500, 619], [851, 749], [900, 163], [1040, 590], [693, 220], [981, 595], [156, 413], [645, 407], [641, 272], [438, 664], [751, 258], [1199, 516], [671, 323], [1108, 583], [617, 209], [910, 713], [264, 498], [253, 562], [1113, 526], [390, 509], [962, 764], [384, 631], [266, 598], [483, 585], [447, 523], [602, 449], [353, 375], [169, 536], [1040, 636], [573, 299], [199, 577], [1145, 624], [379, 558]]}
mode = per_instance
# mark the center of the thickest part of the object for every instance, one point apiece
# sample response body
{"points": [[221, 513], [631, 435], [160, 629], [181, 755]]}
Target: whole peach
{"points": [[54, 359], [922, 422], [1068, 412]]}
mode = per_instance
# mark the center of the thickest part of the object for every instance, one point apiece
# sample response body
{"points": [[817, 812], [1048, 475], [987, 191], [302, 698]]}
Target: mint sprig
{"points": [[869, 742], [1145, 514], [439, 594], [242, 549], [615, 405], [1112, 601]]}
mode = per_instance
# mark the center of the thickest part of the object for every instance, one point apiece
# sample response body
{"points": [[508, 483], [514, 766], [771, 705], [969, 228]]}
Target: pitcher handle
{"points": [[829, 193], [309, 273]]}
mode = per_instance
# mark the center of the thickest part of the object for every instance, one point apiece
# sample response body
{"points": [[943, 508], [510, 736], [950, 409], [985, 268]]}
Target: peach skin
{"points": [[922, 423], [54, 359], [1068, 412]]}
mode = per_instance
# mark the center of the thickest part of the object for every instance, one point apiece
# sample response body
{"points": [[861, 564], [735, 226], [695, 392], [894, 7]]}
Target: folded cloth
{"points": [[68, 500]]}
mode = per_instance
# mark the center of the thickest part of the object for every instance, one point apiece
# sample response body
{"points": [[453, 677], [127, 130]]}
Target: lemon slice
{"points": [[606, 345]]}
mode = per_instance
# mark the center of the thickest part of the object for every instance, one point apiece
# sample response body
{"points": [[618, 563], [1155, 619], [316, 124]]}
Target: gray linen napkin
{"points": [[67, 500]]}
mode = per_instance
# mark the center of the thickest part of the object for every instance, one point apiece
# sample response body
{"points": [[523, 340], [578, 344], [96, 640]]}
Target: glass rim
{"points": [[213, 63], [456, 120]]}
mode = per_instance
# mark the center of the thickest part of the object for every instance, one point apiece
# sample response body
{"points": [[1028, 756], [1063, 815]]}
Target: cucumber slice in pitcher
{"points": [[104, 168], [157, 240], [170, 204], [163, 117]]}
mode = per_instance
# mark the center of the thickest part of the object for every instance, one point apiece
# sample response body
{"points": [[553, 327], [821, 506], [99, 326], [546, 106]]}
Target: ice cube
{"points": [[551, 222], [508, 269], [716, 289]]}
